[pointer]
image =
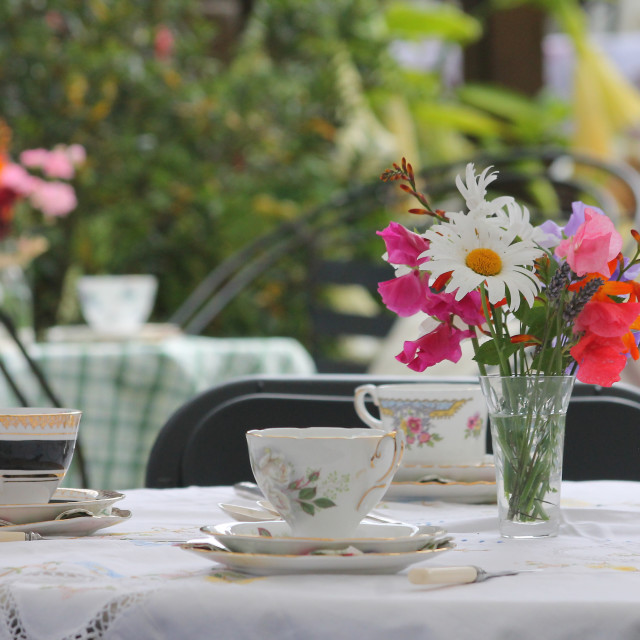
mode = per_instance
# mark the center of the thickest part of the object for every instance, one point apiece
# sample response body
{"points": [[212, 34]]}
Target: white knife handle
{"points": [[12, 536], [443, 575]]}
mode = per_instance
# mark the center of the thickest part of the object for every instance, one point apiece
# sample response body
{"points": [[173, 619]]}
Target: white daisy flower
{"points": [[477, 254], [474, 193]]}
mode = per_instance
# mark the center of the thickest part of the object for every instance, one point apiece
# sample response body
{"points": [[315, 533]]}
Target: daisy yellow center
{"points": [[486, 262]]}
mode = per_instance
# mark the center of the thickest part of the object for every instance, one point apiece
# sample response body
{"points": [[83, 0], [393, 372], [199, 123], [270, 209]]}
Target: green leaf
{"points": [[308, 493], [488, 352], [313, 476], [324, 503], [412, 22], [307, 507]]}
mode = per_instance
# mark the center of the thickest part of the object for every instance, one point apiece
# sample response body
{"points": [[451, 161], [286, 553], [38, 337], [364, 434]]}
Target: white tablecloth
{"points": [[128, 389], [131, 583]]}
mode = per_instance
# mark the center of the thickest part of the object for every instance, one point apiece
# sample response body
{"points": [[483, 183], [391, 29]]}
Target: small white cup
{"points": [[324, 480], [117, 304], [442, 424]]}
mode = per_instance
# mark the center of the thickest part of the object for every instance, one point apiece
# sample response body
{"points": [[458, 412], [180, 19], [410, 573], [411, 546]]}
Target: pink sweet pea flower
{"points": [[405, 294], [443, 343], [594, 245], [600, 360], [53, 198], [607, 319], [443, 305], [403, 246]]}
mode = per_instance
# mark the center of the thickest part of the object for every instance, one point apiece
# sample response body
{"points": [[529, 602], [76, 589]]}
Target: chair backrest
{"points": [[203, 442]]}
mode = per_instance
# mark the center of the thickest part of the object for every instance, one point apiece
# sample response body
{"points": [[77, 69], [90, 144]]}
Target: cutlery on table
{"points": [[457, 575], [247, 514], [19, 536]]}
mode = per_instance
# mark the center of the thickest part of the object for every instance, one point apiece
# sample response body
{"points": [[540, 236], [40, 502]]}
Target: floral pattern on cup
{"points": [[415, 418], [287, 493], [475, 424]]}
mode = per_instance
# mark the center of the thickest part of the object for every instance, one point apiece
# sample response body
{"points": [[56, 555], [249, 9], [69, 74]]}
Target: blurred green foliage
{"points": [[190, 157]]}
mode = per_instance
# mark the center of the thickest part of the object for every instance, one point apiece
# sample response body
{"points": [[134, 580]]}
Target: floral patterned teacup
{"points": [[324, 480], [442, 424]]}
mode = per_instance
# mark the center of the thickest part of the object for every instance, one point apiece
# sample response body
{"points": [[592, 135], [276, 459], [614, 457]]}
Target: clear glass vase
{"points": [[527, 416]]}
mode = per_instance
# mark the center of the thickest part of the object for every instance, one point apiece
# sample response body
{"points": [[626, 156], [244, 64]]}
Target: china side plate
{"points": [[98, 502], [482, 471], [480, 492], [273, 564], [73, 527], [274, 537]]}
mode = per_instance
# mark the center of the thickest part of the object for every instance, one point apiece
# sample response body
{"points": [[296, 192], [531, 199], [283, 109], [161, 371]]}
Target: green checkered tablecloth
{"points": [[127, 390]]}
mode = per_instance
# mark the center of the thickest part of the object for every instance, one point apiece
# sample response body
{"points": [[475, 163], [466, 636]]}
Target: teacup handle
{"points": [[359, 398], [398, 450]]}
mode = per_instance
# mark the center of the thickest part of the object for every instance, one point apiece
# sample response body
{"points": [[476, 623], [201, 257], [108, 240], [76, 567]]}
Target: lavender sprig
{"points": [[580, 299]]}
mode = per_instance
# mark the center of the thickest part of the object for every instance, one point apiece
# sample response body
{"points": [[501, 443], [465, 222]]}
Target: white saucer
{"points": [[273, 564], [274, 537], [96, 501], [81, 526], [481, 492], [485, 470]]}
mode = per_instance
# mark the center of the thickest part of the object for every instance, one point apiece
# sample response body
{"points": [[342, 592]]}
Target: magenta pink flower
{"points": [[414, 424], [595, 243], [424, 437], [443, 343], [444, 305], [53, 198], [406, 294], [403, 246]]}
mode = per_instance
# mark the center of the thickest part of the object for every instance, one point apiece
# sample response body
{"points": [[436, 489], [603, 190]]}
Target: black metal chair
{"points": [[203, 442]]}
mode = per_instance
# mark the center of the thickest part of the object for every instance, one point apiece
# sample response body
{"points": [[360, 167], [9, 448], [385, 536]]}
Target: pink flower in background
{"points": [[424, 437], [60, 162], [594, 245], [163, 43], [17, 179], [53, 198]]}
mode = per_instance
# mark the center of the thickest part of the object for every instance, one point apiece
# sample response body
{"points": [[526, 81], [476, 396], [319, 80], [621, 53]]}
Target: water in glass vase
{"points": [[527, 416]]}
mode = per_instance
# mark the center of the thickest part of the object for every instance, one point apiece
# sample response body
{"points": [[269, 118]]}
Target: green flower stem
{"points": [[505, 369]]}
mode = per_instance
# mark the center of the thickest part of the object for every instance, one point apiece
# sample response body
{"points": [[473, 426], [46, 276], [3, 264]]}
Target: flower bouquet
{"points": [[34, 192], [542, 305]]}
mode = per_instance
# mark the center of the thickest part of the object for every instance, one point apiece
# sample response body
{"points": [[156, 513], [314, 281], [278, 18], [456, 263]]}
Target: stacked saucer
{"points": [[268, 548], [70, 512], [469, 483]]}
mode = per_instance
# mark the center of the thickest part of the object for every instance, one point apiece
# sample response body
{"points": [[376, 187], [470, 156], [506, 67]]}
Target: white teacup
{"points": [[117, 304], [324, 480], [36, 448], [442, 424]]}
